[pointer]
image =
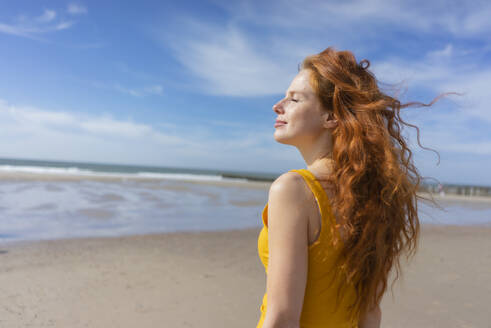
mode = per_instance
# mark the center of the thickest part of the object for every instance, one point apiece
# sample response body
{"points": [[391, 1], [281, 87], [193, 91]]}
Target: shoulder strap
{"points": [[322, 201]]}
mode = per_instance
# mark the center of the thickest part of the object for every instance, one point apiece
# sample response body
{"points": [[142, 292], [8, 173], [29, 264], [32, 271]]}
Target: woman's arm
{"points": [[372, 319], [288, 251]]}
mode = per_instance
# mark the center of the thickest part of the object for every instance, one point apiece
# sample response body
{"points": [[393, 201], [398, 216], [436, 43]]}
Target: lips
{"points": [[279, 123]]}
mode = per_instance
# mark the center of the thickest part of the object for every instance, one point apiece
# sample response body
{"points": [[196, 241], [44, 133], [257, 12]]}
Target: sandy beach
{"points": [[215, 279]]}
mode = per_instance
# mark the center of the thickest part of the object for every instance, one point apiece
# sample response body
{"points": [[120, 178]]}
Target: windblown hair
{"points": [[374, 178]]}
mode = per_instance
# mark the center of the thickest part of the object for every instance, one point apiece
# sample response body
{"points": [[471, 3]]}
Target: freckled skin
{"points": [[305, 117]]}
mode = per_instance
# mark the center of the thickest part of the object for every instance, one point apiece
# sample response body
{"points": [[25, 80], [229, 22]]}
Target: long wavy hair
{"points": [[373, 177]]}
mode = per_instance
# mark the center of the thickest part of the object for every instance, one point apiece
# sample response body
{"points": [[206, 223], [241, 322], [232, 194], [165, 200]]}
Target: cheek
{"points": [[304, 120]]}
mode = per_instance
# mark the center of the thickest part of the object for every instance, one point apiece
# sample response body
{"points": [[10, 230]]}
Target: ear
{"points": [[329, 121]]}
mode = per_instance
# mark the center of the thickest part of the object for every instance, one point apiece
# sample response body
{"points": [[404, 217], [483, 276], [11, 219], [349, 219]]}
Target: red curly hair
{"points": [[374, 178]]}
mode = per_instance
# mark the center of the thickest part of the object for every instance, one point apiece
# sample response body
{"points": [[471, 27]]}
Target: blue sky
{"points": [[192, 83]]}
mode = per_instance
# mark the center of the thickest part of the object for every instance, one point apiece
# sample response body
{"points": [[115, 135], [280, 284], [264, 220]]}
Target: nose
{"points": [[278, 107]]}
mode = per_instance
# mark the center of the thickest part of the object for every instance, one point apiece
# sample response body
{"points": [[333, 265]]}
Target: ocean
{"points": [[42, 200]]}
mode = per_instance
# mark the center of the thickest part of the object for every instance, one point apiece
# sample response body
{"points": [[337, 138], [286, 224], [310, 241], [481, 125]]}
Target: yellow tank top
{"points": [[319, 306]]}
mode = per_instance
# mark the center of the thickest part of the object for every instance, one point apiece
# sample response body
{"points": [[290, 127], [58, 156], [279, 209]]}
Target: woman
{"points": [[332, 232]]}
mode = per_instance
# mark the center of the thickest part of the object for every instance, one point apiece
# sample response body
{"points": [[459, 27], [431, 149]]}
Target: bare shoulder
{"points": [[289, 190]]}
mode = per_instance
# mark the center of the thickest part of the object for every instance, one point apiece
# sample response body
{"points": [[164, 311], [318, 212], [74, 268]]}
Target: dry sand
{"points": [[215, 279]]}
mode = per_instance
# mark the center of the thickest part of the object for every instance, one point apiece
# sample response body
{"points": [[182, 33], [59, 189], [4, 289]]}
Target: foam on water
{"points": [[52, 209], [31, 210], [75, 171]]}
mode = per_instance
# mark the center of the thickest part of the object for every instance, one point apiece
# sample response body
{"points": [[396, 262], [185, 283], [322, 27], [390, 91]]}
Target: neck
{"points": [[321, 167], [318, 160]]}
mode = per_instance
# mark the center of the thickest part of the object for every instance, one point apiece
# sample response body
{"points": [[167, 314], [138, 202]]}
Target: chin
{"points": [[281, 139]]}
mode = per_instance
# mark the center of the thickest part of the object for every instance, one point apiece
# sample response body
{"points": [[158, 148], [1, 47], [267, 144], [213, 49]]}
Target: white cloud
{"points": [[465, 18], [17, 30], [227, 62], [441, 53], [115, 128], [154, 89], [89, 45], [32, 116], [135, 92], [47, 16], [131, 92], [457, 124], [76, 9], [451, 129], [33, 28], [444, 70], [229, 59], [64, 25], [136, 74], [30, 132], [234, 59], [476, 101]]}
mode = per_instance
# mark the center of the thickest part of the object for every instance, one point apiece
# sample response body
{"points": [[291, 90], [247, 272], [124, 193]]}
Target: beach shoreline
{"points": [[226, 182]]}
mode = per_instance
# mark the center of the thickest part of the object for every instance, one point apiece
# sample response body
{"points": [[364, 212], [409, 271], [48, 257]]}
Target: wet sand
{"points": [[215, 279]]}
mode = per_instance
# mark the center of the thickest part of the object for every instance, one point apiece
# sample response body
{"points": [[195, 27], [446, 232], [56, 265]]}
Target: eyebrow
{"points": [[293, 92]]}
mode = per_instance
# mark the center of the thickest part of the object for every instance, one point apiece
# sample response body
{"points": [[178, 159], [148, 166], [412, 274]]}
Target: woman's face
{"points": [[302, 112]]}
